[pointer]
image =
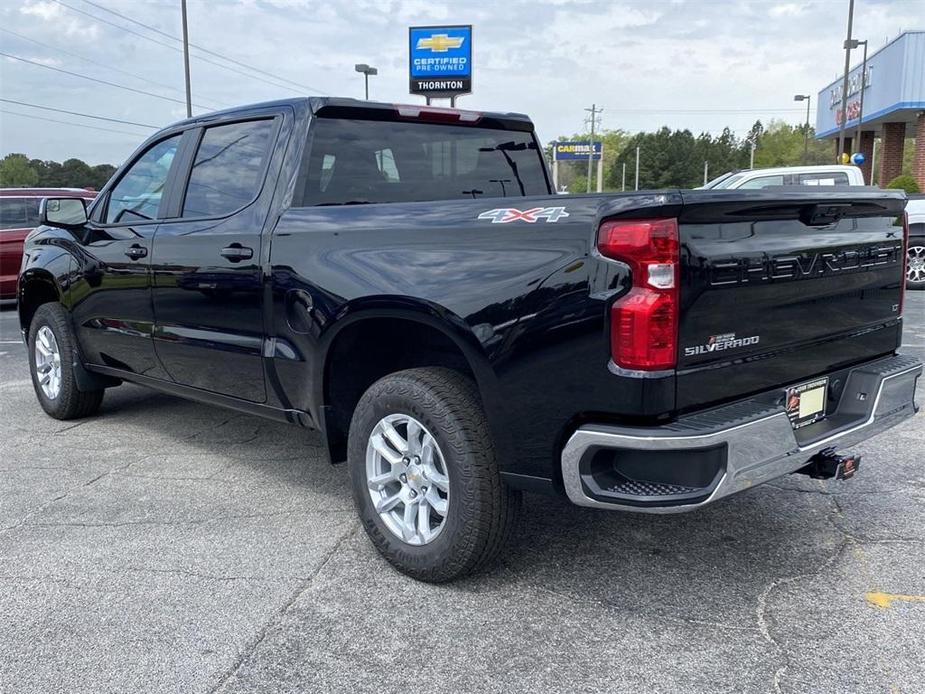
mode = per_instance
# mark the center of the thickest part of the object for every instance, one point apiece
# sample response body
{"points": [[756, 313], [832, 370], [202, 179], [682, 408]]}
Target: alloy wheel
{"points": [[407, 479], [915, 265], [48, 362]]}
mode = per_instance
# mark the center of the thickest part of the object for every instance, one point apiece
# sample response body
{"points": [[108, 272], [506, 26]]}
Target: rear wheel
{"points": [[424, 474], [52, 358], [915, 264]]}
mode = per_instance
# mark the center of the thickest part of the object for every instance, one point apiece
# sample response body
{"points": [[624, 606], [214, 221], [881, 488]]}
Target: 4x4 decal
{"points": [[504, 215]]}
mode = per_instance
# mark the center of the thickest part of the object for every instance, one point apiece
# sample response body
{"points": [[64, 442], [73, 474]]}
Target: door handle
{"points": [[236, 252], [135, 251]]}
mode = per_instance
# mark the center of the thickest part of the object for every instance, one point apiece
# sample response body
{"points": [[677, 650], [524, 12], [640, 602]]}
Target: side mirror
{"points": [[68, 213]]}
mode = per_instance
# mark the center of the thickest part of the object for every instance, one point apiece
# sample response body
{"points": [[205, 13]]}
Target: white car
{"points": [[915, 267], [833, 175]]}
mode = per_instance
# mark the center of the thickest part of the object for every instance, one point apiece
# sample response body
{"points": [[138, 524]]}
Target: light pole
{"points": [[854, 43], [189, 100], [807, 98], [367, 70]]}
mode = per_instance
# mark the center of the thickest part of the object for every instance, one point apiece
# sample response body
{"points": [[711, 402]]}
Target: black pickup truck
{"points": [[404, 280]]}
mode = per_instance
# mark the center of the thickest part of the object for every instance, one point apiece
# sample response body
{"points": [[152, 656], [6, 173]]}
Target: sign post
{"points": [[440, 61], [579, 151]]}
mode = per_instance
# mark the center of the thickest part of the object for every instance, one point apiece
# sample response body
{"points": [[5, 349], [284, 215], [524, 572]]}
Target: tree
{"points": [[16, 172]]}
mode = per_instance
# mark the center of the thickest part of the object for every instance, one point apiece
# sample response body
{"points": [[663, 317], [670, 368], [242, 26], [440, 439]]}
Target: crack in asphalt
{"points": [[763, 610], [297, 593], [200, 521]]}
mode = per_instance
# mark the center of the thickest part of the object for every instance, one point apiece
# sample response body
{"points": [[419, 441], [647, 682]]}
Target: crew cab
{"points": [[405, 280], [817, 175], [19, 214]]}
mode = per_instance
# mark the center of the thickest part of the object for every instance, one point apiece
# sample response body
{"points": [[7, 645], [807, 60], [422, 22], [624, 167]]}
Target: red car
{"points": [[19, 214]]}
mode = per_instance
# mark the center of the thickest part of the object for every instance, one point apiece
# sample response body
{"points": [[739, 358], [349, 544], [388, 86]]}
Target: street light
{"points": [[854, 43], [367, 70], [807, 98]]}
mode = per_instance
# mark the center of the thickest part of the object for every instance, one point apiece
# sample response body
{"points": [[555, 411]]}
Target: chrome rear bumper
{"points": [[755, 441]]}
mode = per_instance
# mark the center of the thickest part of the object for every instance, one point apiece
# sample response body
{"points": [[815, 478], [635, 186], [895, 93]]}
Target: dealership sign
{"points": [[440, 61], [570, 151], [893, 85]]}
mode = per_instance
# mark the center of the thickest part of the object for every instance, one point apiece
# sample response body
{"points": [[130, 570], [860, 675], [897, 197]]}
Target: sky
{"points": [[696, 64]]}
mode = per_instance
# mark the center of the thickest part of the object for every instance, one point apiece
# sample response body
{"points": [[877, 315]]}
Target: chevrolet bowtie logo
{"points": [[441, 43]]}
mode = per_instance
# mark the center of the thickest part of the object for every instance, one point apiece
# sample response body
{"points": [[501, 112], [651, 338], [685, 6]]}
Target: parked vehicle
{"points": [[750, 179], [915, 263], [19, 214], [405, 280]]}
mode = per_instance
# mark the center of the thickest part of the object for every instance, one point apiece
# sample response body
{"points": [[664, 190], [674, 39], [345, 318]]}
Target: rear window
{"points": [[825, 178], [356, 162], [19, 213]]}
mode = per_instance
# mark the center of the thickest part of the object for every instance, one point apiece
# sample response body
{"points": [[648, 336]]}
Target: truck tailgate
{"points": [[781, 285]]}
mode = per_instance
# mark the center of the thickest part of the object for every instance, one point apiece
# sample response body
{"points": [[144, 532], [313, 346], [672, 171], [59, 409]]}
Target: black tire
{"points": [[915, 242], [70, 402], [482, 514]]}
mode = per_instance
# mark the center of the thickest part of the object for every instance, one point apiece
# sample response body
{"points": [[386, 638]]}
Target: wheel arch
{"points": [[394, 333], [37, 286]]}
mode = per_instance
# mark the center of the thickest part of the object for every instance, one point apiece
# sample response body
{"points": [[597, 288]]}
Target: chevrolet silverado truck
{"points": [[405, 280]]}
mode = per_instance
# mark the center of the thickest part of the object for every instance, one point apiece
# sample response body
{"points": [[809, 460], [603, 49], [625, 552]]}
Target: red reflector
{"points": [[644, 322], [435, 114]]}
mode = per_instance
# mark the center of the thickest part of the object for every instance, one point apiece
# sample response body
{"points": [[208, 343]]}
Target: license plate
{"points": [[806, 402]]}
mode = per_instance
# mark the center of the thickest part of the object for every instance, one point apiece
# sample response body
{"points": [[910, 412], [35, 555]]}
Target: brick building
{"points": [[892, 116]]}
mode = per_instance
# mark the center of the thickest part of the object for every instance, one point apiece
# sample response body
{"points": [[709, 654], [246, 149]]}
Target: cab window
{"points": [[19, 213], [763, 182], [228, 169], [137, 195]]}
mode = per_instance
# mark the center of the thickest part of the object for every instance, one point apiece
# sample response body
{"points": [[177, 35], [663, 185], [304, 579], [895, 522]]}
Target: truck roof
{"points": [[344, 107]]}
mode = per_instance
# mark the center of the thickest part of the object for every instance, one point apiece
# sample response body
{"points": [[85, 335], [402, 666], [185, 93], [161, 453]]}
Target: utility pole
{"points": [[844, 85], [637, 168], [189, 98], [623, 186], [594, 110], [751, 156], [807, 98]]}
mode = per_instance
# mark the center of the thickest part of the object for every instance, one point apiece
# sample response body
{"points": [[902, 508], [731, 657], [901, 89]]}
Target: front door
{"points": [[111, 293], [207, 275]]}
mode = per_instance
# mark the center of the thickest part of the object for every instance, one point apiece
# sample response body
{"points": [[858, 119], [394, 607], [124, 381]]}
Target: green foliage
{"points": [[904, 182], [18, 171], [675, 158], [15, 172]]}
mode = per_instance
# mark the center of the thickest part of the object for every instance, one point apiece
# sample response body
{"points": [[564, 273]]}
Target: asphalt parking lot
{"points": [[170, 546]]}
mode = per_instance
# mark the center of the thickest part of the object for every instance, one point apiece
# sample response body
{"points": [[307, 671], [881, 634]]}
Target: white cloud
{"points": [[644, 61]]}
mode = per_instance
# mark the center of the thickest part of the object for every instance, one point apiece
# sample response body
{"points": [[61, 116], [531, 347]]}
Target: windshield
{"points": [[714, 183], [731, 180]]}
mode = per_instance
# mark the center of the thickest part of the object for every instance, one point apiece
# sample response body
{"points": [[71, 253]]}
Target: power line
{"points": [[707, 110], [64, 122], [91, 79], [103, 65], [77, 113], [205, 50], [171, 47]]}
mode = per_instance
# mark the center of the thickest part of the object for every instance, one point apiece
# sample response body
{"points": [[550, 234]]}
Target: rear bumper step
{"points": [[703, 457]]}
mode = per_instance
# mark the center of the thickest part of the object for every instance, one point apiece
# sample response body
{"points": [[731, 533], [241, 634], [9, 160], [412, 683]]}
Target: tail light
{"points": [[644, 322], [905, 263]]}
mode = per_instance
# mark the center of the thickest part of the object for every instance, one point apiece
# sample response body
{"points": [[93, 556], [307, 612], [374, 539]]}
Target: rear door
{"points": [[779, 286], [207, 274]]}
